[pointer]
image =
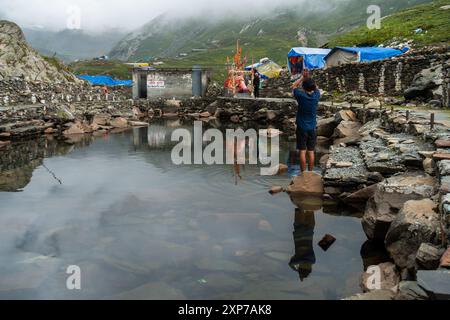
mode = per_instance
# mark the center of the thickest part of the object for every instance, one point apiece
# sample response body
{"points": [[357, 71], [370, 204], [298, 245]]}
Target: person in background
{"points": [[256, 84], [105, 90], [307, 97]]}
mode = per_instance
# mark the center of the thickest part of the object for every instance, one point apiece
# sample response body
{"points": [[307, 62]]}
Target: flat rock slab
{"points": [[352, 176], [379, 158], [441, 156], [436, 282], [442, 143], [308, 183]]}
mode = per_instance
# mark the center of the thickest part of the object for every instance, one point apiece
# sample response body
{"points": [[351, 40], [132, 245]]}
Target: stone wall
{"points": [[389, 77], [20, 92]]}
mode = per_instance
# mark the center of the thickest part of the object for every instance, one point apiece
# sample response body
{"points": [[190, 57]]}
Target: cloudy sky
{"points": [[105, 14]]}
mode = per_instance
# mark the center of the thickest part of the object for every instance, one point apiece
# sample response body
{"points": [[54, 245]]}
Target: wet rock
{"points": [[374, 253], [75, 128], [325, 127], [374, 295], [388, 276], [119, 123], [416, 223], [308, 183], [410, 290], [326, 242], [390, 196], [436, 283], [347, 129], [445, 260], [276, 189], [359, 198]]}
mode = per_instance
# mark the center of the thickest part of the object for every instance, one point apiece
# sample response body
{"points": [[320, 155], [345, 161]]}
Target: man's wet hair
{"points": [[309, 84]]}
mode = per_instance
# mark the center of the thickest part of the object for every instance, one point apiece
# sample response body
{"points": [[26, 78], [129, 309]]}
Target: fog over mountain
{"points": [[101, 15]]}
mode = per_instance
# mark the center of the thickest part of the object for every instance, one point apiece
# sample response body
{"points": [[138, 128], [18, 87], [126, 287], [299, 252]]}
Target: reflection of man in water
{"points": [[304, 257]]}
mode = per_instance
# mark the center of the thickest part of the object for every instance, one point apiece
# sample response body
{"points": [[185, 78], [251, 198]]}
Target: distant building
{"points": [[151, 83]]}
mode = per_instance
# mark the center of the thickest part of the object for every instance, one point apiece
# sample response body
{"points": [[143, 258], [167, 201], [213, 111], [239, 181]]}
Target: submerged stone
{"points": [[436, 283]]}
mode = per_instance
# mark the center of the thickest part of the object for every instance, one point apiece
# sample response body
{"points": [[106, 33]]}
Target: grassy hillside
{"points": [[270, 35], [402, 25]]}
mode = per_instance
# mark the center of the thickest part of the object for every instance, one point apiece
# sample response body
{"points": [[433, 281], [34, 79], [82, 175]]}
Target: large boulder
{"points": [[119, 123], [390, 196], [308, 183], [426, 84], [347, 129], [417, 223], [325, 127], [344, 115], [410, 290]]}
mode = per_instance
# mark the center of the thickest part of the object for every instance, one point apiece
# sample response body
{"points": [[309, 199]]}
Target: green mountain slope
{"points": [[432, 18], [270, 35]]}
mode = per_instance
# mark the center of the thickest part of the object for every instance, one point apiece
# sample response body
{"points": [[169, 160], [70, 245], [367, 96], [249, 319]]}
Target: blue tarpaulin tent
{"points": [[340, 55], [306, 58], [106, 81]]}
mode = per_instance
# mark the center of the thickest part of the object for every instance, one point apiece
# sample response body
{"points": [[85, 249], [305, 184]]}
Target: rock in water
{"points": [[326, 242], [119, 123], [308, 183], [389, 278], [416, 223], [390, 196], [276, 189], [445, 260], [410, 290], [359, 198], [428, 256], [437, 283]]}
